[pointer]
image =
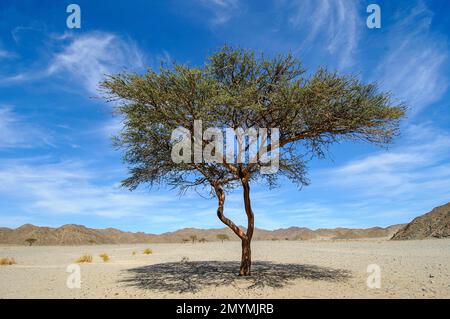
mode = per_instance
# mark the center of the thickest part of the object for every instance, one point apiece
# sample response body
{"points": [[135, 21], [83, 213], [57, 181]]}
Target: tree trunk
{"points": [[246, 238], [246, 259]]}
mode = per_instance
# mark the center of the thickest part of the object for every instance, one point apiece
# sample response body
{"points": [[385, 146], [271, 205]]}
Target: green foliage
{"points": [[237, 89]]}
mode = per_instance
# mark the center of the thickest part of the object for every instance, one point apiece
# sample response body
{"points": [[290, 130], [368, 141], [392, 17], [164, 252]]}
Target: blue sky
{"points": [[57, 165]]}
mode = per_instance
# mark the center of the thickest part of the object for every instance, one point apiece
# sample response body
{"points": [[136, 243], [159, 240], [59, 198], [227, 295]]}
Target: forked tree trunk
{"points": [[246, 238]]}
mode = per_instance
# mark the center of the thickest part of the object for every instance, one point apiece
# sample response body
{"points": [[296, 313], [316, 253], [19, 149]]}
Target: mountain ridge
{"points": [[434, 224], [73, 234]]}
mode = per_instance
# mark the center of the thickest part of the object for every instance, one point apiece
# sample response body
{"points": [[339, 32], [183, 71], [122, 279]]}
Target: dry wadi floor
{"points": [[282, 269]]}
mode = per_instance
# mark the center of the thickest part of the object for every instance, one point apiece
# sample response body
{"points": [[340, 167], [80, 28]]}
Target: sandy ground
{"points": [[284, 269]]}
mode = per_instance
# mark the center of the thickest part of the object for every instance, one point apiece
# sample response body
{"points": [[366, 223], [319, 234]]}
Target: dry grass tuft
{"points": [[148, 251], [84, 259], [7, 261], [133, 253], [184, 259], [105, 257]]}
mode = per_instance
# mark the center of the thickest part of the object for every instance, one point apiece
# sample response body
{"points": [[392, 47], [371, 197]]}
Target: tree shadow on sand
{"points": [[193, 276]]}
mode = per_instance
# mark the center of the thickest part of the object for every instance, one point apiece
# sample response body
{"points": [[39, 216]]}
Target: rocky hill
{"points": [[435, 224], [81, 235]]}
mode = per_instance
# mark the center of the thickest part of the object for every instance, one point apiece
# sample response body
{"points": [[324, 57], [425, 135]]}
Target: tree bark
{"points": [[246, 260]]}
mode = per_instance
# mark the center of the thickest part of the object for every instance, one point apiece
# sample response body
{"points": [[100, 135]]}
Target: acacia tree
{"points": [[238, 89], [222, 237], [193, 238], [30, 241]]}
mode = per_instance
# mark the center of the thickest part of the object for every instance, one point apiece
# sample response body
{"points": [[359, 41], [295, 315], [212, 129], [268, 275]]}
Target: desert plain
{"points": [[281, 269]]}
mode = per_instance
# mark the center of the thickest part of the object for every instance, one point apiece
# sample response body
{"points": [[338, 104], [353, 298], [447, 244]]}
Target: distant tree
{"points": [[222, 237], [236, 89], [193, 238], [30, 241]]}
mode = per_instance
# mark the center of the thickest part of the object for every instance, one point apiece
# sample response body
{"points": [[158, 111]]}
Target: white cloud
{"points": [[419, 169], [16, 132], [6, 54], [84, 60], [90, 57], [70, 188], [413, 68], [332, 22], [222, 10]]}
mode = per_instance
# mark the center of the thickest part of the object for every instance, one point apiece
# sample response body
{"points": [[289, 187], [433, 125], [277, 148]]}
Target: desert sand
{"points": [[282, 269]]}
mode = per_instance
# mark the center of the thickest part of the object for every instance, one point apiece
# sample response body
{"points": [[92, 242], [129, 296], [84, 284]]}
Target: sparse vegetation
{"points": [[104, 257], [193, 238], [30, 241], [84, 259], [202, 240], [148, 251], [7, 261], [222, 237], [185, 240], [133, 253], [184, 259]]}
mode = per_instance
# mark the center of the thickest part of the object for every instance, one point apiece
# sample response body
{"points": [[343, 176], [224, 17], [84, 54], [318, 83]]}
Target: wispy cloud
{"points": [[6, 54], [85, 59], [334, 24], [413, 67], [90, 57], [69, 187], [417, 170], [17, 132], [222, 10]]}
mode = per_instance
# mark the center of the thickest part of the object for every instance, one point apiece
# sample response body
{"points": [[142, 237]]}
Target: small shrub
{"points": [[184, 259], [30, 241], [84, 259], [133, 253], [105, 257], [193, 238], [222, 237], [148, 251], [7, 261]]}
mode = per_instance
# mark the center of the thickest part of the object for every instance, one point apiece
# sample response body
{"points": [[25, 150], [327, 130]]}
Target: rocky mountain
{"points": [[435, 224], [81, 235]]}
